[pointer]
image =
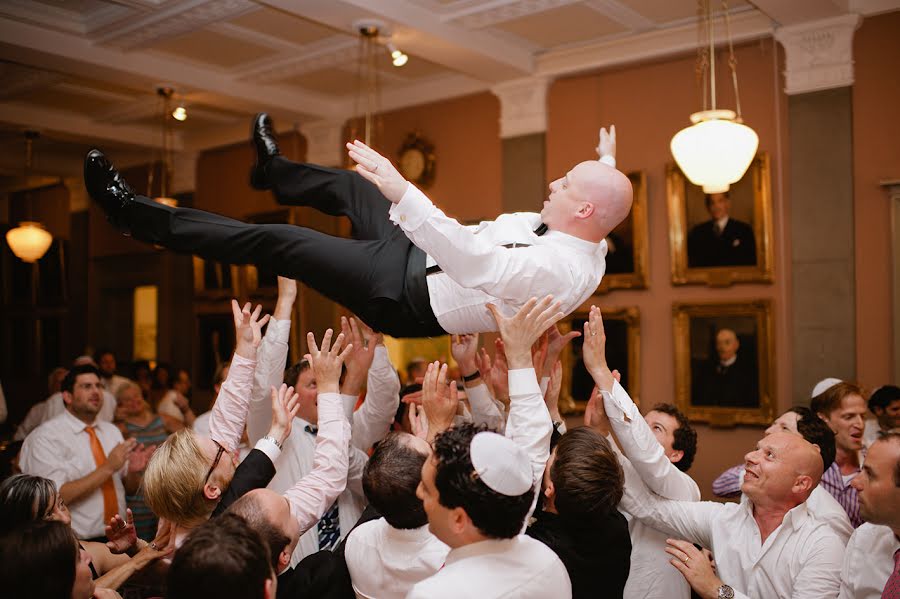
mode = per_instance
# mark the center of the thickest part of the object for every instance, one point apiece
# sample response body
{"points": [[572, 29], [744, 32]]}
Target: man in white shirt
{"points": [[369, 364], [86, 457], [884, 403], [872, 562], [106, 363], [384, 274], [387, 556]]}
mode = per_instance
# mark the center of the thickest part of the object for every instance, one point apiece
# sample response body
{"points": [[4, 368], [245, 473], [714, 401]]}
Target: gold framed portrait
{"points": [[626, 255], [623, 353], [721, 239], [724, 362]]}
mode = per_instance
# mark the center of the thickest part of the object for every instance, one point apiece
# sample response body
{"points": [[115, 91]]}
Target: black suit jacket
{"points": [[255, 472], [596, 554], [736, 246], [735, 386]]}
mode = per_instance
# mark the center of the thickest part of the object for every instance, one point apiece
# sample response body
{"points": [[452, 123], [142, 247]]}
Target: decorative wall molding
{"points": [[818, 55], [893, 188], [523, 106], [334, 52], [491, 14], [324, 142]]}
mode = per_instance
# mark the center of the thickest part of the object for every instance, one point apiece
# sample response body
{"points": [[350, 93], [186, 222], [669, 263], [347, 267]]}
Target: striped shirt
{"points": [[844, 492]]}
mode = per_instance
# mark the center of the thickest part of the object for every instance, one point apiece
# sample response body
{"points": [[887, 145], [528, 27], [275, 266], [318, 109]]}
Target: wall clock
{"points": [[417, 160]]}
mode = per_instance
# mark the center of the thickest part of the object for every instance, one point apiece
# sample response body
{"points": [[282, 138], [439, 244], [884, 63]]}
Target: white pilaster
{"points": [[819, 54], [523, 106], [893, 189], [324, 142]]}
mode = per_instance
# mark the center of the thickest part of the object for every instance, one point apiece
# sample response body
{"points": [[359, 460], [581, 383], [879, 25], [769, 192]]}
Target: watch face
{"points": [[412, 164], [726, 592]]}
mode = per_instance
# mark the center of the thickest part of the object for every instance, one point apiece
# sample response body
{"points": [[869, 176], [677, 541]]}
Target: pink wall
{"points": [[876, 157], [648, 103]]}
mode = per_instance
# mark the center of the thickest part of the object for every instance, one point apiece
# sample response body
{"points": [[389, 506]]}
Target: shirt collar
{"points": [[485, 547], [407, 534], [795, 517], [575, 243], [73, 423], [729, 361]]}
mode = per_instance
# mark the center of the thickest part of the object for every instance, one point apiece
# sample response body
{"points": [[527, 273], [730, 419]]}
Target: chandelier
{"points": [[30, 240], [716, 150], [167, 114]]}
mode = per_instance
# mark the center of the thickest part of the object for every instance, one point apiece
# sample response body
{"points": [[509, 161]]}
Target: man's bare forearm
{"points": [[76, 490]]}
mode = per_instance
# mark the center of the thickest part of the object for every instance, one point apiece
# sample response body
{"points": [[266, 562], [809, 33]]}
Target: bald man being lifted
{"points": [[410, 270]]}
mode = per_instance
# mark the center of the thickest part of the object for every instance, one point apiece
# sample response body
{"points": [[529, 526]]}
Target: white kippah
{"points": [[501, 464], [824, 385]]}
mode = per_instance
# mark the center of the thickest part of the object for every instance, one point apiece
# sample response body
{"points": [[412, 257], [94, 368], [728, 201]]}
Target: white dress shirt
{"points": [[296, 460], [478, 270], [53, 406], [385, 562], [870, 432], [801, 559], [517, 568], [114, 383], [651, 576], [60, 449], [168, 407], [868, 562]]}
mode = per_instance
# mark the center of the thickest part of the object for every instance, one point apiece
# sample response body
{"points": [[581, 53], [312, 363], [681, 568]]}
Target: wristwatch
{"points": [[726, 592]]}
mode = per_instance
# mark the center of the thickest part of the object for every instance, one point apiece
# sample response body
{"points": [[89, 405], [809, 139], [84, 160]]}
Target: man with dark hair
{"points": [[387, 556], [579, 520], [722, 240], [885, 404], [843, 408], [802, 421], [648, 445], [87, 458], [872, 561], [224, 558], [106, 364]]}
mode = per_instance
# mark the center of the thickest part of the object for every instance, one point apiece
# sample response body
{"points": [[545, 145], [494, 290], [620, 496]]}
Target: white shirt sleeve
{"points": [[473, 261], [40, 457], [643, 449], [484, 410], [372, 421], [271, 358]]}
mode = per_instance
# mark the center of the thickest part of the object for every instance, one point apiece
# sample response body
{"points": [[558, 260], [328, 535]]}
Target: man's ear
{"points": [[212, 492], [586, 210], [459, 520], [802, 484], [284, 559], [271, 587], [676, 455], [550, 490], [67, 398]]}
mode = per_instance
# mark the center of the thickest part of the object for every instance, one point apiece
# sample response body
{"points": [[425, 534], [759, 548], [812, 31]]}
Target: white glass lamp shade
{"points": [[29, 241], [715, 151]]}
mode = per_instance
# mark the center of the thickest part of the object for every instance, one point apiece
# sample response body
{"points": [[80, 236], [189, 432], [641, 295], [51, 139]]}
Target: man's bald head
{"points": [[589, 201], [727, 344], [782, 471]]}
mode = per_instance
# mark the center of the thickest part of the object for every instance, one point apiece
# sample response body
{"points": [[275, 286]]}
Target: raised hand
{"points": [[694, 566], [418, 421], [607, 145], [326, 363], [595, 414], [248, 328], [439, 399], [377, 169], [539, 356], [500, 373], [464, 349], [121, 535], [119, 454], [138, 458], [287, 294], [551, 397], [556, 342], [359, 360], [285, 404], [594, 350], [521, 331]]}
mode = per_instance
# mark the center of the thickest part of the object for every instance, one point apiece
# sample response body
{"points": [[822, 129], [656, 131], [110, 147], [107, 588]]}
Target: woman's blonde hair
{"points": [[174, 480]]}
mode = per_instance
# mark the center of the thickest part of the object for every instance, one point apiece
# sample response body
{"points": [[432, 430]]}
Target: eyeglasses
{"points": [[215, 462]]}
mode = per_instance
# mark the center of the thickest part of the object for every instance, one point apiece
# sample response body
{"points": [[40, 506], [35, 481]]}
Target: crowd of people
{"points": [[330, 477]]}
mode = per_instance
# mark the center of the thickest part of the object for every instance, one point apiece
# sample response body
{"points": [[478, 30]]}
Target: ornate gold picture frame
{"points": [[725, 362], [623, 352], [626, 257], [690, 224]]}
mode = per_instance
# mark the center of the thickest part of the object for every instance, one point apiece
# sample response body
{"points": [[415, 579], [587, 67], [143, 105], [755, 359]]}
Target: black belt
{"points": [[435, 269]]}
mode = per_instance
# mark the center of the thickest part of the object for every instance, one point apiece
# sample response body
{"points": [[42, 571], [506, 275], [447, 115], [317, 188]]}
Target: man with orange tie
{"points": [[86, 457]]}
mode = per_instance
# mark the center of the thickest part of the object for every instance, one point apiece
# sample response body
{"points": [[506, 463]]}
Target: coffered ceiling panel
{"points": [[565, 25], [213, 48], [284, 26], [331, 81]]}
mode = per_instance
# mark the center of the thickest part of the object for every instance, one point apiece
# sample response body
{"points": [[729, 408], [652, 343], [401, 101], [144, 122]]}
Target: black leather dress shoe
{"points": [[105, 185], [263, 134]]}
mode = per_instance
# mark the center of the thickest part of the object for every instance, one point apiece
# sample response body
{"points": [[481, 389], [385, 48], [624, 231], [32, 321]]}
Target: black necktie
{"points": [[542, 228]]}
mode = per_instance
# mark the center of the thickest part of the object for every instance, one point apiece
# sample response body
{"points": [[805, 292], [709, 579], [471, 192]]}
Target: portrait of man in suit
{"points": [[722, 240], [730, 376]]}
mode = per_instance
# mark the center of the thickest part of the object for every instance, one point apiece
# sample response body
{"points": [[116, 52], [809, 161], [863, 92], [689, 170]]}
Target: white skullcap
{"points": [[824, 385], [501, 464]]}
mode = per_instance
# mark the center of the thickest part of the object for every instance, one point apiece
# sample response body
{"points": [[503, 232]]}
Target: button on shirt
{"points": [[385, 562], [60, 449], [517, 568], [478, 270], [801, 559], [868, 562]]}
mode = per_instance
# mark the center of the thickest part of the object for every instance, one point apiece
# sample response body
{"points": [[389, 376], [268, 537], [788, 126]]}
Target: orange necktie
{"points": [[110, 501]]}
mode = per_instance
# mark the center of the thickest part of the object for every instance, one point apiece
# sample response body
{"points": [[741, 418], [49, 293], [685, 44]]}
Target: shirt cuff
{"points": [[617, 404], [523, 381], [412, 210], [268, 447], [330, 408], [608, 159]]}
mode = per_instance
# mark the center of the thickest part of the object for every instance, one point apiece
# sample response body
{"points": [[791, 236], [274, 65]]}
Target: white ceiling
{"points": [[84, 72]]}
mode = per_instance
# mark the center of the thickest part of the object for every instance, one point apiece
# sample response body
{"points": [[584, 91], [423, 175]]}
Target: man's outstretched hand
{"points": [[607, 145], [376, 168]]}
